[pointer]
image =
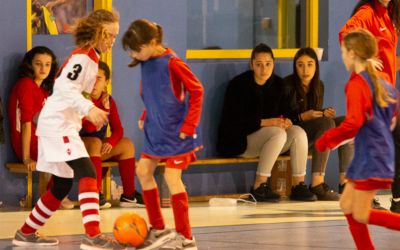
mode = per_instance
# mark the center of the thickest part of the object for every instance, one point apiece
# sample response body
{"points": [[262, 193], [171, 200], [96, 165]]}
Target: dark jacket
{"points": [[245, 104], [296, 100]]}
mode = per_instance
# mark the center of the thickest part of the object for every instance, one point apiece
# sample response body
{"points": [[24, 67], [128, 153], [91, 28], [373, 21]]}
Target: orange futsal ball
{"points": [[130, 228]]}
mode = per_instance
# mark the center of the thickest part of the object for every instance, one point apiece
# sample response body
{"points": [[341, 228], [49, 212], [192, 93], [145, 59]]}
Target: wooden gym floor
{"points": [[282, 226]]}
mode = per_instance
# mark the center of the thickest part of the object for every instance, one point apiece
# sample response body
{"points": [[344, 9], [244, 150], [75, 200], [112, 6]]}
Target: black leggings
{"points": [[396, 179], [83, 167]]}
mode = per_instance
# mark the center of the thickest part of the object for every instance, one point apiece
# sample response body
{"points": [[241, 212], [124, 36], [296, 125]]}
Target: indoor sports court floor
{"points": [[278, 226]]}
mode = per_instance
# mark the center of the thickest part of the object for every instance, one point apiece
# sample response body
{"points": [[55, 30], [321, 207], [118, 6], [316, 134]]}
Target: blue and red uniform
{"points": [[166, 82], [373, 163]]}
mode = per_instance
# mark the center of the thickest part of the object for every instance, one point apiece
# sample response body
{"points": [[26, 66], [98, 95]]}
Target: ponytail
{"points": [[382, 96]]}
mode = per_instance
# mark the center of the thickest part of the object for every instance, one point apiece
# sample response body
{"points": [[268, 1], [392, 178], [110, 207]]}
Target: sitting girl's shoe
{"points": [[67, 203]]}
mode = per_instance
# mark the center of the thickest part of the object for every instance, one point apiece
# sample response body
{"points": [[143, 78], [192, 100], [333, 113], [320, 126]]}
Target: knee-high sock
{"points": [[152, 201], [127, 173], [180, 206], [384, 219], [43, 210], [96, 160], [360, 234], [89, 205]]}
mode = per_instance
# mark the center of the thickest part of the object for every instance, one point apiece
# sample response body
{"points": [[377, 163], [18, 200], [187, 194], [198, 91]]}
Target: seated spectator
{"points": [[36, 75], [304, 94], [115, 147], [252, 125]]}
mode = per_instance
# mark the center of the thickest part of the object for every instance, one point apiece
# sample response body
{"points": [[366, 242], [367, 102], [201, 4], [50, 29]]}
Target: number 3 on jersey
{"points": [[75, 73]]}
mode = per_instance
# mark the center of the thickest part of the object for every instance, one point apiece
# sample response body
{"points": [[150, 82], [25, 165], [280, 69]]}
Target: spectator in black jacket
{"points": [[304, 97], [252, 125]]}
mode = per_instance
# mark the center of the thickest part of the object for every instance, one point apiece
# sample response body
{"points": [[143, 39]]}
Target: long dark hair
{"points": [[393, 8], [315, 87], [25, 68], [140, 33]]}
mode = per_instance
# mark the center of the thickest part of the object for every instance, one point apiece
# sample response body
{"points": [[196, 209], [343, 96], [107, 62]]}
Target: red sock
{"points": [[44, 208], [89, 205], [360, 234], [96, 160], [180, 206], [152, 201], [127, 173], [385, 219]]}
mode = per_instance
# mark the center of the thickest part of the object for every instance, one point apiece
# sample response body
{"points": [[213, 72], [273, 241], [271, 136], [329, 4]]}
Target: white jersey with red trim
{"points": [[63, 111]]}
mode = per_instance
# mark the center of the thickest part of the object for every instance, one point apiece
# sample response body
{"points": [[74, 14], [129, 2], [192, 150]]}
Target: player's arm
{"points": [[181, 74]]}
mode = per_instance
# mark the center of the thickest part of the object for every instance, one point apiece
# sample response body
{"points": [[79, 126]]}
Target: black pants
{"points": [[83, 167], [396, 179]]}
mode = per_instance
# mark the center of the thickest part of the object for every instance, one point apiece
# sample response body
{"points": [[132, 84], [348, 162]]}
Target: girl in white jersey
{"points": [[61, 152]]}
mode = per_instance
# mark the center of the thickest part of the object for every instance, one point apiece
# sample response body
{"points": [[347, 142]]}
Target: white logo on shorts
{"points": [[382, 29], [177, 162]]}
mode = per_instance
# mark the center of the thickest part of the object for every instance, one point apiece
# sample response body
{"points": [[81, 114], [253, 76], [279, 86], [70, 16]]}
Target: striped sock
{"points": [[43, 210], [89, 205]]}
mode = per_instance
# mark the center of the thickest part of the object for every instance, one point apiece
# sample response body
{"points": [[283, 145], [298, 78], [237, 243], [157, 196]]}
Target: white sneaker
{"points": [[181, 243], [67, 203]]}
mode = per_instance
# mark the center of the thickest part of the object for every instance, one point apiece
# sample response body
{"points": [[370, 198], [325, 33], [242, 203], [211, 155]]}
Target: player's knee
{"points": [[143, 172], [361, 217]]}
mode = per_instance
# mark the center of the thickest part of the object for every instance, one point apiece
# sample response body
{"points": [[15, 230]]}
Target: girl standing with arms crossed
{"points": [[370, 115], [61, 152], [173, 98]]}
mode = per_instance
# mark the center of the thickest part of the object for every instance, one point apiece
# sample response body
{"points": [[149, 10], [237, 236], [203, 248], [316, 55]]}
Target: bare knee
{"points": [[361, 217], [345, 206], [93, 145], [128, 146], [143, 172]]}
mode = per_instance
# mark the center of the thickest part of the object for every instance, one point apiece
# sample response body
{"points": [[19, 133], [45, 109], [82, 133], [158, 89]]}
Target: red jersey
{"points": [[379, 23], [24, 105]]}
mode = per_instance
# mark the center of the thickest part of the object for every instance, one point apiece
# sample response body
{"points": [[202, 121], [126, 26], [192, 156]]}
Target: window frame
{"points": [[311, 38]]}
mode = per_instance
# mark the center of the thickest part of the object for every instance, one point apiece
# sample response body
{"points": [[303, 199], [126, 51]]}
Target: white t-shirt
{"points": [[63, 111]]}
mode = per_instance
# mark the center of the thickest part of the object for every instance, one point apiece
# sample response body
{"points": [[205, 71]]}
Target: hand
{"points": [[182, 135], [329, 112], [98, 117], [376, 63], [106, 148], [106, 102], [141, 124], [288, 123], [30, 164], [311, 114]]}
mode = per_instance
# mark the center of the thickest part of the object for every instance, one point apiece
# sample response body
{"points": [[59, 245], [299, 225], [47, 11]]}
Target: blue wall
{"points": [[213, 74]]}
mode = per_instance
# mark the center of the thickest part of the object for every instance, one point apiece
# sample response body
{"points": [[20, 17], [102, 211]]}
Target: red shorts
{"points": [[178, 162], [372, 184]]}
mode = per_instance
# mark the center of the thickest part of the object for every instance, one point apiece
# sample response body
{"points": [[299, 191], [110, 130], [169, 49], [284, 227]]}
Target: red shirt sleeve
{"points": [[184, 80], [26, 100], [359, 107], [362, 19], [117, 131]]}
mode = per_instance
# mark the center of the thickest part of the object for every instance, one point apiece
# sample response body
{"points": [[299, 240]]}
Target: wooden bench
{"points": [[44, 178], [280, 177]]}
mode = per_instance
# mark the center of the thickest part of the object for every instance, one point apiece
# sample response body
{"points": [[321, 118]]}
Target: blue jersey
{"points": [[165, 113], [374, 148]]}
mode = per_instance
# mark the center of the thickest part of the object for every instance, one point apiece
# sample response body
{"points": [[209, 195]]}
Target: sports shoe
{"points": [[135, 200], [100, 241], [395, 206], [67, 203], [377, 205], [34, 239], [300, 192], [156, 238], [180, 242], [324, 192], [103, 203], [264, 193]]}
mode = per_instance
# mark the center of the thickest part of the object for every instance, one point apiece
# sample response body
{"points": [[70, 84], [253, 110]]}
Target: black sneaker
{"points": [[395, 207], [300, 192], [341, 188], [264, 193], [103, 204], [377, 205], [135, 200], [324, 192]]}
